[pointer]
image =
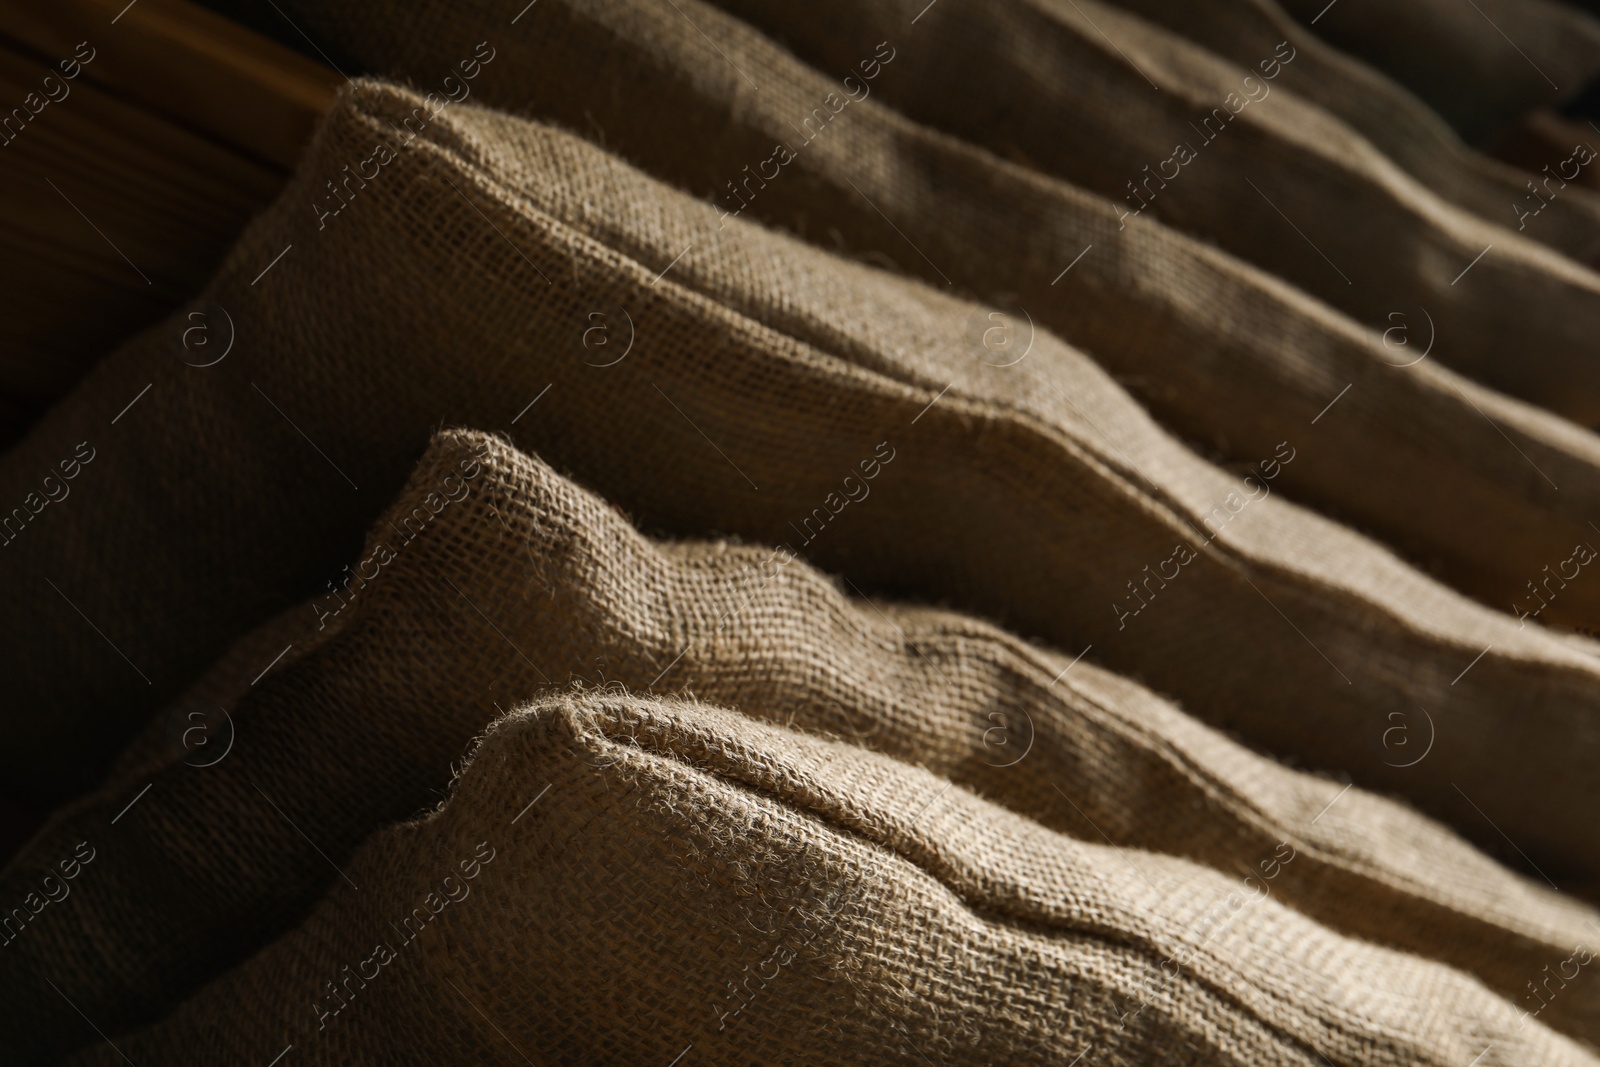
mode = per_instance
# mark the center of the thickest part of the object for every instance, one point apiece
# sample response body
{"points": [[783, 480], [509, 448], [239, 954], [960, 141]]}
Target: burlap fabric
{"points": [[520, 582], [1486, 492], [622, 880], [1481, 66], [761, 373], [1397, 123], [1165, 129]]}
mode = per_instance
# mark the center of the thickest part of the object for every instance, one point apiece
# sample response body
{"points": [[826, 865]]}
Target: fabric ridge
{"points": [[521, 583], [714, 532], [803, 874]]}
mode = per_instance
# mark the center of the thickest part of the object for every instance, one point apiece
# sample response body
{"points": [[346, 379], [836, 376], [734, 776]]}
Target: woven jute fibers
{"points": [[1220, 352], [1396, 122], [761, 373], [623, 880], [1482, 66], [492, 579], [1233, 157], [196, 727]]}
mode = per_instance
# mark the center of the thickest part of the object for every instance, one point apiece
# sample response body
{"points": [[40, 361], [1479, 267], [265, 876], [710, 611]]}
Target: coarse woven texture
{"points": [[1397, 123], [1165, 128], [1481, 65], [196, 727], [527, 582], [625, 880], [761, 372], [1484, 490]]}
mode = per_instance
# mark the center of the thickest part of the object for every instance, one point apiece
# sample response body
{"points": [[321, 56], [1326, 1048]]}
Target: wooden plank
{"points": [[188, 64], [180, 129]]}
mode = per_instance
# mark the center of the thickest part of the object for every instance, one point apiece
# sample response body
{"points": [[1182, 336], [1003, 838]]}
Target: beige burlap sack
{"points": [[1036, 492], [1486, 493], [1481, 65], [1559, 212], [522, 582], [624, 880], [1165, 129]]}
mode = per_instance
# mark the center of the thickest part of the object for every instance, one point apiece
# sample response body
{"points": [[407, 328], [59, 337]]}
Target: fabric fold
{"points": [[760, 373], [1483, 490], [1164, 129], [492, 581], [624, 880], [1027, 531], [1550, 207], [1481, 68]]}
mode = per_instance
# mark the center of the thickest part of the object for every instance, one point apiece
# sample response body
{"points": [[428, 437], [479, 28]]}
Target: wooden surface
{"points": [[121, 195]]}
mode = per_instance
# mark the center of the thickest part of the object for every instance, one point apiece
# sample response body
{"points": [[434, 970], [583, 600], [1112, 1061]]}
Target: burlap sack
{"points": [[1480, 65], [1397, 123], [1484, 492], [1167, 130], [527, 582], [621, 880], [1035, 492]]}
